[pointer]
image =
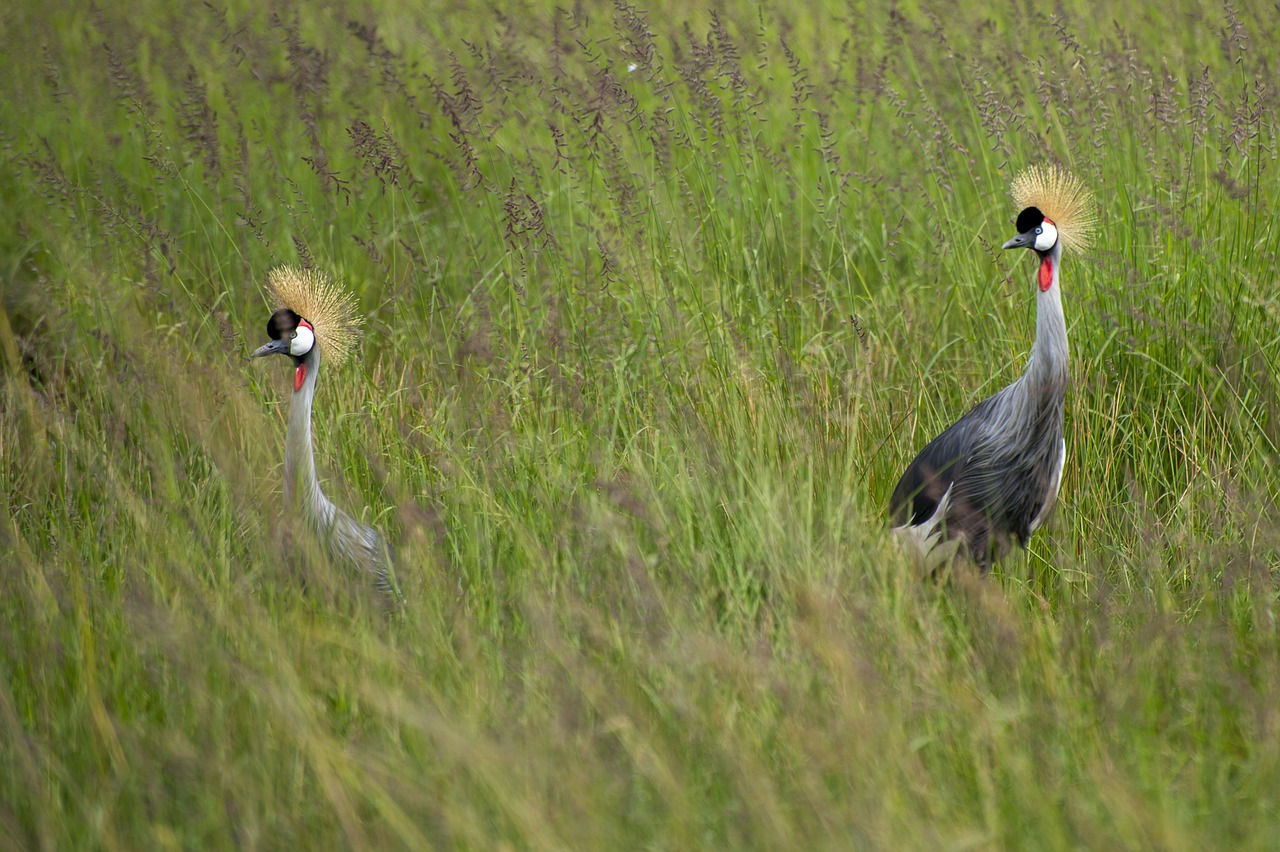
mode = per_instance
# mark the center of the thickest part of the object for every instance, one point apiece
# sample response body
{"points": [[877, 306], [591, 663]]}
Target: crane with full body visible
{"points": [[993, 476]]}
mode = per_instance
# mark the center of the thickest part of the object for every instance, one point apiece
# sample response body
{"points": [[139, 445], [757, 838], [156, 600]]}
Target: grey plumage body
{"points": [[343, 537], [993, 476]]}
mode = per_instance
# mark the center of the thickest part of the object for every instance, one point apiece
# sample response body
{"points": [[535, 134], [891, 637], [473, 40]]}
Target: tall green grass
{"points": [[660, 302]]}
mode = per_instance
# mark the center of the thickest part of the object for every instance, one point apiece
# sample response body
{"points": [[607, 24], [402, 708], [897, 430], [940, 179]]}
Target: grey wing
{"points": [[1054, 486], [1041, 479], [1011, 483], [364, 547], [944, 460]]}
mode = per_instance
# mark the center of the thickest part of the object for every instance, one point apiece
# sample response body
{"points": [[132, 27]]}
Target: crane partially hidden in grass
{"points": [[315, 315], [993, 476]]}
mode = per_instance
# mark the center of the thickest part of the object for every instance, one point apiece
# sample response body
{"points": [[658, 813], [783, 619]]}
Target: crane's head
{"points": [[1056, 209], [1035, 231], [290, 335], [312, 313]]}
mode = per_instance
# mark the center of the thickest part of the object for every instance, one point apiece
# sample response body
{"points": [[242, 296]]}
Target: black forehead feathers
{"points": [[282, 323], [1028, 219]]}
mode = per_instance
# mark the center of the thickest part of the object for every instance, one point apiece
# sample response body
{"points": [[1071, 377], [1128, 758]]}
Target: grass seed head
{"points": [[330, 309], [1063, 198]]}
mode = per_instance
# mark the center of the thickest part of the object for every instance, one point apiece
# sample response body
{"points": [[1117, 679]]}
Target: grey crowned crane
{"points": [[993, 476], [314, 315]]}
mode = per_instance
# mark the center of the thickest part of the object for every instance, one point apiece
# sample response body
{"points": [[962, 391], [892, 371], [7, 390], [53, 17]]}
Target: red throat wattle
{"points": [[1046, 277], [300, 374]]}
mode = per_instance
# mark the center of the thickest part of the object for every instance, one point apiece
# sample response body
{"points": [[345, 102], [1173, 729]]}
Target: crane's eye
{"points": [[302, 340], [1046, 236]]}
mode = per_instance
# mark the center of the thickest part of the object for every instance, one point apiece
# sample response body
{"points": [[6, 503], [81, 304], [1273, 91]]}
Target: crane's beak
{"points": [[275, 347], [1026, 240]]}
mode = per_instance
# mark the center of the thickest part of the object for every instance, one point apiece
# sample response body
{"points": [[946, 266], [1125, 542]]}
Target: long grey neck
{"points": [[1050, 358], [301, 488]]}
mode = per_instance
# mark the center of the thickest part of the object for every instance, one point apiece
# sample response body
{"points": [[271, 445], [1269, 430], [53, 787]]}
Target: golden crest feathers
{"points": [[330, 309], [1063, 198]]}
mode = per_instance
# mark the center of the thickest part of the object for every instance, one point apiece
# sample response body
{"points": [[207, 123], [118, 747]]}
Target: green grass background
{"points": [[660, 302]]}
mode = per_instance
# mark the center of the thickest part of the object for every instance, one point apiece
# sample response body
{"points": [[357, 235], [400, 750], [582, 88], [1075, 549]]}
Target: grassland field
{"points": [[660, 299]]}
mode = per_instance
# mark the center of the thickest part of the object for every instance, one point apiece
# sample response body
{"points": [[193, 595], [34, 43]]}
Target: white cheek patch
{"points": [[1047, 237], [303, 339]]}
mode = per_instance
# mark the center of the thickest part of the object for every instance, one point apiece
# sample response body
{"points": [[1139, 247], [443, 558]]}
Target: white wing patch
{"points": [[926, 539], [1054, 486]]}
